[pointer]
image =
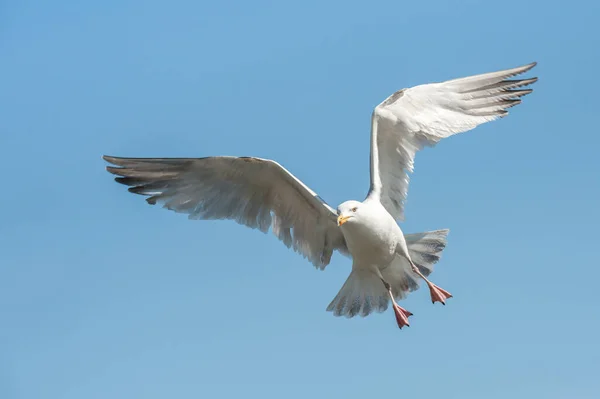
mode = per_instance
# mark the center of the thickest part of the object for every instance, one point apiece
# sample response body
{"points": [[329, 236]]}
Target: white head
{"points": [[349, 212]]}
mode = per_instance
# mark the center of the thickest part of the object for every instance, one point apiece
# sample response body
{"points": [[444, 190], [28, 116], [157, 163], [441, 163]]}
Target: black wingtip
{"points": [[113, 170], [525, 68], [529, 66], [123, 180]]}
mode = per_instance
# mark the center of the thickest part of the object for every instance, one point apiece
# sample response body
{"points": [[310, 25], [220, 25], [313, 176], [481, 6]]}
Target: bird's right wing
{"points": [[421, 116], [255, 192]]}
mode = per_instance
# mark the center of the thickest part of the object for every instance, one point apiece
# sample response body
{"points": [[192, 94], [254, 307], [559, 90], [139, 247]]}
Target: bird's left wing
{"points": [[254, 192], [411, 119]]}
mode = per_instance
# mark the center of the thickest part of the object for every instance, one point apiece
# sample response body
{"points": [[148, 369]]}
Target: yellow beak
{"points": [[343, 219]]}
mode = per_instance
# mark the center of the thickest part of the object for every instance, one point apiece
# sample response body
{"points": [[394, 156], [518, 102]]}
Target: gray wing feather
{"points": [[254, 192], [412, 119]]}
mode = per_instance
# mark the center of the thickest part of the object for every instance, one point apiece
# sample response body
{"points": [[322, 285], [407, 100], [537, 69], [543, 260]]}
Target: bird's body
{"points": [[372, 242], [259, 193]]}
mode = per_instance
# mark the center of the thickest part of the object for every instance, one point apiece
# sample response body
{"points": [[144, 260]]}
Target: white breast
{"points": [[372, 240]]}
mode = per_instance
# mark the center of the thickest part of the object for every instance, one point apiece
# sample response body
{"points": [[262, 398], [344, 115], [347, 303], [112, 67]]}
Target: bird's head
{"points": [[349, 211]]}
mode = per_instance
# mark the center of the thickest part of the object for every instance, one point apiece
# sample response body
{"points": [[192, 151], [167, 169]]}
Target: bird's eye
{"points": [[354, 209]]}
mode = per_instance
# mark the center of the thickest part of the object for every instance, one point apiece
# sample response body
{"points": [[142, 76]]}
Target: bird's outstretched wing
{"points": [[255, 192], [411, 119]]}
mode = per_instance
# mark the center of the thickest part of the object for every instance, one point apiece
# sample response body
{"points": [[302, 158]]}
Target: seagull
{"points": [[261, 194]]}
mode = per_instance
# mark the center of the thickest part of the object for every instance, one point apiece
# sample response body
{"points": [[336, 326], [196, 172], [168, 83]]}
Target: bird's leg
{"points": [[402, 314], [437, 294]]}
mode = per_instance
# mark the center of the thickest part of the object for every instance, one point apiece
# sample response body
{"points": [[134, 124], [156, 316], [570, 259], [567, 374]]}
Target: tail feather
{"points": [[425, 249], [362, 293]]}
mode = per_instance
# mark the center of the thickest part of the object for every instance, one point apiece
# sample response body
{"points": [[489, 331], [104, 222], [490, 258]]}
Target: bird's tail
{"points": [[425, 249], [364, 292]]}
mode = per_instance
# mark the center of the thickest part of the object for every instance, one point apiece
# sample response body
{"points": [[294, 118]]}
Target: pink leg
{"points": [[402, 314], [438, 294]]}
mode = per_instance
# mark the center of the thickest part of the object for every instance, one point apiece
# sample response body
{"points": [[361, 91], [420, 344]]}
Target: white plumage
{"points": [[411, 119], [261, 194]]}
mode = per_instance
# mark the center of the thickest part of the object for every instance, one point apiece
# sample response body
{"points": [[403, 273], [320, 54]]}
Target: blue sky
{"points": [[103, 296]]}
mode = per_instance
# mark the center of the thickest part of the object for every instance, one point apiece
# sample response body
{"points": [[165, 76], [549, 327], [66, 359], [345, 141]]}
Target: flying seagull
{"points": [[260, 193]]}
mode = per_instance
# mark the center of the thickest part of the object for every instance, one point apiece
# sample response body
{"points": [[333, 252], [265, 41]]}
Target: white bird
{"points": [[261, 194]]}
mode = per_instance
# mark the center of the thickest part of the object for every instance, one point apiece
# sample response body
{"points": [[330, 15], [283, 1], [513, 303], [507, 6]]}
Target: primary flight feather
{"points": [[261, 194]]}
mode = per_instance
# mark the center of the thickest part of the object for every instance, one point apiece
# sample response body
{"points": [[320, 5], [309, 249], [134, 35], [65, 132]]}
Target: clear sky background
{"points": [[103, 296]]}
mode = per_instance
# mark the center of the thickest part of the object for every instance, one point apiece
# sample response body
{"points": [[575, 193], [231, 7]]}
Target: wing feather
{"points": [[254, 192], [412, 119]]}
